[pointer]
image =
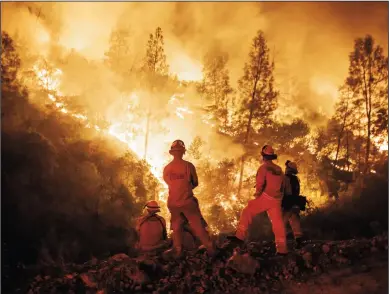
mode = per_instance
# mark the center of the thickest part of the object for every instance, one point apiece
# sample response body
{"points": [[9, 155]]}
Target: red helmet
{"points": [[152, 205], [177, 145], [268, 152]]}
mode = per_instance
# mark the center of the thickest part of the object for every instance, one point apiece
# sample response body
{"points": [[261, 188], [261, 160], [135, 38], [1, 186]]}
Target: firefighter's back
{"points": [[151, 231], [180, 189]]}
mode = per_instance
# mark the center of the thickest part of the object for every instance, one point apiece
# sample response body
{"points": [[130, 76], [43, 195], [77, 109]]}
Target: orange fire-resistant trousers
{"points": [[273, 208], [293, 218], [193, 215]]}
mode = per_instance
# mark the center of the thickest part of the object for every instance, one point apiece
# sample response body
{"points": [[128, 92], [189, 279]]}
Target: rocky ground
{"points": [[351, 266]]}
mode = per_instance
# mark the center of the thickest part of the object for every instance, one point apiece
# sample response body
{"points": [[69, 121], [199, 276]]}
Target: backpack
{"points": [[289, 201], [295, 183], [164, 233]]}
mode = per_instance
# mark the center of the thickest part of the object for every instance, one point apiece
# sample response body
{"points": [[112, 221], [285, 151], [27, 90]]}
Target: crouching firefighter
{"points": [[181, 178], [151, 229], [292, 202], [268, 197]]}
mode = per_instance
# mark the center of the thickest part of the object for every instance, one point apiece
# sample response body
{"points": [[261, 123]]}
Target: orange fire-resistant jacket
{"points": [[181, 178], [270, 180]]}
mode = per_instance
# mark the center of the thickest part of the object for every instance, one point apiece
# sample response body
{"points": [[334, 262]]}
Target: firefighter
{"points": [[268, 197], [290, 202], [151, 229], [181, 178]]}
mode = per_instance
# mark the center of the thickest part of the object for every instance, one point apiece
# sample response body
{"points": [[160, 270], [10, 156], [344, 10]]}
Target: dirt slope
{"points": [[350, 266]]}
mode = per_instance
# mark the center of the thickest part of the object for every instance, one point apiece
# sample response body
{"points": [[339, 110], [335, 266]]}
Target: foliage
{"points": [[368, 81], [216, 89], [10, 60], [155, 61], [256, 87], [67, 193], [120, 57]]}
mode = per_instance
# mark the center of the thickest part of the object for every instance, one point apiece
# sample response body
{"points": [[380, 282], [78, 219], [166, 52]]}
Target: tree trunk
{"points": [[147, 132], [246, 139], [242, 161], [347, 152], [338, 147], [368, 142], [367, 94]]}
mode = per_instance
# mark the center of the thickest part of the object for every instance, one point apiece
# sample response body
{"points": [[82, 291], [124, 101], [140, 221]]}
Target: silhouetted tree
{"points": [[155, 70], [368, 80], [120, 57], [216, 89], [10, 61], [258, 96]]}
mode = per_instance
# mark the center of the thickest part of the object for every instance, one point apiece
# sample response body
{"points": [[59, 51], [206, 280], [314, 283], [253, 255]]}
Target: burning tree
{"points": [[368, 81], [343, 117], [216, 89], [258, 97], [119, 56], [155, 69], [10, 61], [356, 130]]}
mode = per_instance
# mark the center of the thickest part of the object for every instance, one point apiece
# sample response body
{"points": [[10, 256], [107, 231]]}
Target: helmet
{"points": [[177, 145], [291, 167], [152, 205], [268, 152]]}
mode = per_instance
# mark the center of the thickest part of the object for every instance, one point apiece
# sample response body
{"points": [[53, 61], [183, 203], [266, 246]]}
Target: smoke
{"points": [[309, 42]]}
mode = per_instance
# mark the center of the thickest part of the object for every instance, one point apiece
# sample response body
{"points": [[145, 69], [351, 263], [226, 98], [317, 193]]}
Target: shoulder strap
{"points": [[145, 219], [188, 171], [164, 233]]}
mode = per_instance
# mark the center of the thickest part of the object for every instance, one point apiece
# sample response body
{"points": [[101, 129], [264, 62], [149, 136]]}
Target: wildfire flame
{"points": [[157, 157]]}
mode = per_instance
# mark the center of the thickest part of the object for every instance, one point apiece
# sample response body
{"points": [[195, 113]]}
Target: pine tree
{"points": [[215, 88], [119, 56], [155, 71], [368, 80], [155, 61], [10, 60], [342, 116], [258, 96]]}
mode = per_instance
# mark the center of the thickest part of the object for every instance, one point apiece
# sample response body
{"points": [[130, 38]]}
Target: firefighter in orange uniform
{"points": [[181, 178], [151, 229], [268, 197]]}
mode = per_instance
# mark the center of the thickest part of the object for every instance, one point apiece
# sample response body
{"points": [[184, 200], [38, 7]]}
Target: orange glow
{"points": [[87, 28], [185, 68], [43, 36], [157, 156]]}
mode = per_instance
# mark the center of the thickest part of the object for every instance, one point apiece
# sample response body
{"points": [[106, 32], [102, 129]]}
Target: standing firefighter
{"points": [[151, 229], [268, 197], [291, 201], [181, 178]]}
